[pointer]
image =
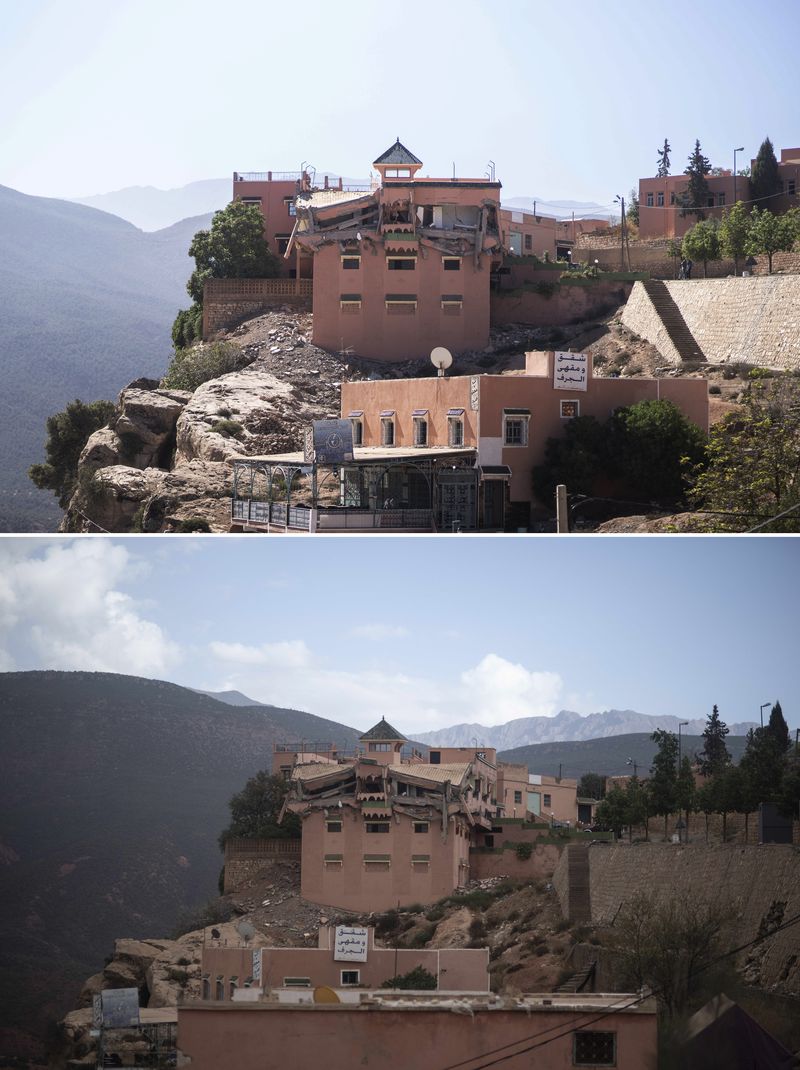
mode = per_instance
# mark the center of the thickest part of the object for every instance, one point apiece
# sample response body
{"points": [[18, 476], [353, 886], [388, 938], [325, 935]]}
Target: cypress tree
{"points": [[714, 757], [697, 192], [765, 181], [778, 728], [663, 160]]}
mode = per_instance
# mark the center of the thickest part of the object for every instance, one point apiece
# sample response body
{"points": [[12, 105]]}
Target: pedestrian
{"points": [[688, 268]]}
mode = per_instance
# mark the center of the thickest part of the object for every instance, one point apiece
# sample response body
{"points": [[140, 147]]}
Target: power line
{"points": [[786, 512], [606, 1014]]}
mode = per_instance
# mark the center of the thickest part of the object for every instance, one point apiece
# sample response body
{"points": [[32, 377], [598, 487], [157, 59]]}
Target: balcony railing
{"points": [[298, 517], [267, 176]]}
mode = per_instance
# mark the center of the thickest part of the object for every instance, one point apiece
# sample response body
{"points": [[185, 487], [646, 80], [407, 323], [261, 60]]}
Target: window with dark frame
{"points": [[401, 263], [528, 242], [660, 199], [517, 796], [420, 430], [351, 977], [594, 1048], [570, 409], [451, 263], [351, 263], [358, 431], [649, 200], [377, 826], [387, 431], [547, 800], [421, 826], [333, 826], [515, 430], [455, 430]]}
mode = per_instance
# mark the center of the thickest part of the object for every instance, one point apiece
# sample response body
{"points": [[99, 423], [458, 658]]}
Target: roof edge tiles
{"points": [[397, 154], [383, 732]]}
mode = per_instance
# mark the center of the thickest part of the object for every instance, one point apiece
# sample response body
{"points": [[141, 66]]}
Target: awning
{"points": [[455, 412], [516, 412], [420, 412], [355, 414], [387, 412], [494, 471]]}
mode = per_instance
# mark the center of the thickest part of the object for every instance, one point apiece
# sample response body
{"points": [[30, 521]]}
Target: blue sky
{"points": [[427, 632], [571, 101]]}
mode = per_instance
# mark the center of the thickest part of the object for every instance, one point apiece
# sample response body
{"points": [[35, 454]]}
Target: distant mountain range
{"points": [[566, 725], [230, 698], [149, 208], [113, 793], [561, 209], [87, 304]]}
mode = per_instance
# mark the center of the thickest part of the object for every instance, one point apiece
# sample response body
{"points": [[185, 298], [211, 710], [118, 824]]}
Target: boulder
{"points": [[112, 498], [145, 424], [103, 448]]}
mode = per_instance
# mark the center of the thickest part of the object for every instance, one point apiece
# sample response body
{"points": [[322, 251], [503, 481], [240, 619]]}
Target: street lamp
{"points": [[630, 761], [734, 171], [761, 711], [681, 724]]}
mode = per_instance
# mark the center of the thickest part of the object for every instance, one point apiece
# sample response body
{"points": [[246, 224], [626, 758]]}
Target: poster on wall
{"points": [[570, 371], [350, 944]]}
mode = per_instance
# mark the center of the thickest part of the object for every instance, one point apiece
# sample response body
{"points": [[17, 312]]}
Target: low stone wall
{"points": [[505, 862], [752, 883], [570, 303], [227, 302], [748, 320], [244, 859]]}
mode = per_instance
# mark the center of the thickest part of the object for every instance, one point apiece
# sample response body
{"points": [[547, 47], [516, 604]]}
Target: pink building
{"points": [[524, 233], [378, 831], [424, 1031], [347, 960], [521, 794], [442, 453], [275, 193], [402, 268]]}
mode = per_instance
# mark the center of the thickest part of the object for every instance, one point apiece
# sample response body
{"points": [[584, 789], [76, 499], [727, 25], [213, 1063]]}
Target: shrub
{"points": [[435, 913], [421, 937], [181, 976], [477, 928], [523, 851], [192, 524], [228, 428], [387, 923], [191, 368], [715, 388], [562, 925], [417, 979], [67, 433]]}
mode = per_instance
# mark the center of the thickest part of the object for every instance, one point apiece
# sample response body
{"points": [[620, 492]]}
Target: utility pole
{"points": [[562, 517], [622, 237]]}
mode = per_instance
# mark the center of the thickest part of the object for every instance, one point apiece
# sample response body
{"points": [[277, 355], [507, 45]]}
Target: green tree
{"points": [[695, 199], [613, 811], [255, 811], [67, 433], [765, 179], [234, 248], [685, 794], [702, 243], [419, 979], [650, 444], [768, 234], [714, 757], [592, 786], [663, 160], [762, 764], [575, 458], [663, 783], [753, 460], [727, 789], [733, 233], [778, 728], [632, 211], [638, 805]]}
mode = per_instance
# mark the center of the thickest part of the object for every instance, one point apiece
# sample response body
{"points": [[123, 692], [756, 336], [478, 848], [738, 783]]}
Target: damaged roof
{"points": [[453, 773], [397, 154], [322, 198]]}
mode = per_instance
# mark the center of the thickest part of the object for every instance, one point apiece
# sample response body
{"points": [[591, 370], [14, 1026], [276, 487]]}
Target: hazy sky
{"points": [[425, 631], [571, 100]]}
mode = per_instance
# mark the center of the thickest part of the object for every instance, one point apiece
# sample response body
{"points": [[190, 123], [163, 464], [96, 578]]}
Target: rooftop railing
{"points": [[267, 176]]}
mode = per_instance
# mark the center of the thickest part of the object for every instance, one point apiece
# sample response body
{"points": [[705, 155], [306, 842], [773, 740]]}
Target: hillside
{"points": [[88, 302], [150, 208], [114, 791], [608, 755]]}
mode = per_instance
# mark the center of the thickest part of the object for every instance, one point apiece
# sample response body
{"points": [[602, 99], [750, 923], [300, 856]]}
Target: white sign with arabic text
{"points": [[570, 371], [350, 944]]}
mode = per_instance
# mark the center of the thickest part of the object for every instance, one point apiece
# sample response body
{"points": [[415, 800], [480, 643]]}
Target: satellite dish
{"points": [[246, 930], [441, 358]]}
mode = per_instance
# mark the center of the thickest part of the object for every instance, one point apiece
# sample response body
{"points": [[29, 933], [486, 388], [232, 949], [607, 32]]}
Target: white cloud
{"points": [[492, 692], [62, 607], [292, 654], [377, 631]]}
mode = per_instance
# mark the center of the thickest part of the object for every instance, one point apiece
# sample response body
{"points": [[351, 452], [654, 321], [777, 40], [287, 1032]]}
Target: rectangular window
{"points": [[528, 242], [377, 826], [452, 302], [350, 302], [710, 201], [420, 431], [593, 1048], [333, 861], [358, 432], [547, 800], [455, 430], [251, 200], [721, 200], [351, 977], [290, 206], [333, 826], [282, 242], [570, 409], [379, 746], [517, 796], [351, 263], [377, 862], [791, 187], [435, 757], [515, 430], [401, 263], [297, 982], [660, 199], [672, 197], [451, 263], [649, 200], [402, 304], [421, 826], [387, 431], [420, 862]]}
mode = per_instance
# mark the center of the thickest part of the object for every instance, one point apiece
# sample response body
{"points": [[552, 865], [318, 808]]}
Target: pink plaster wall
{"points": [[340, 1037], [276, 214]]}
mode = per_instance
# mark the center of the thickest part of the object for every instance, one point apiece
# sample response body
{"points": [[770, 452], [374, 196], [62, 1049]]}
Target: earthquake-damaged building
{"points": [[403, 267], [378, 830]]}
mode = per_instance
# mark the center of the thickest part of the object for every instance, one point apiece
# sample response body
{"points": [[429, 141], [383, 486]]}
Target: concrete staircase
{"points": [[580, 907], [674, 323], [579, 980]]}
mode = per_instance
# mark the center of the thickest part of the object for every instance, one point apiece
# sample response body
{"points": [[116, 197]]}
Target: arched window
{"points": [[220, 988]]}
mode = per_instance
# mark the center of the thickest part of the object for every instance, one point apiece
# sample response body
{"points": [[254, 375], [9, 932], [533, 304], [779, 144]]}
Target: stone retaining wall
{"points": [[505, 862], [749, 881], [244, 859], [227, 302], [570, 303], [748, 320]]}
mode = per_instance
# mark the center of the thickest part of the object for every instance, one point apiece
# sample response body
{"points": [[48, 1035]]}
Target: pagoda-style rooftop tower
{"points": [[384, 743], [397, 162]]}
